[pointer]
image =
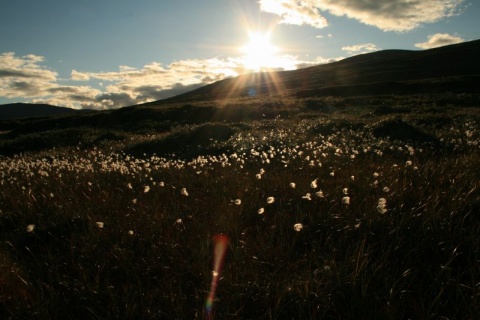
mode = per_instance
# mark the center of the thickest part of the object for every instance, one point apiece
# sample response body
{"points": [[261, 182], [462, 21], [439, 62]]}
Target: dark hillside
{"points": [[28, 110], [390, 71]]}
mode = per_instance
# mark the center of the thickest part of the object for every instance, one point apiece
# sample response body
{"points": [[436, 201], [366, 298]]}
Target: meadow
{"points": [[334, 209]]}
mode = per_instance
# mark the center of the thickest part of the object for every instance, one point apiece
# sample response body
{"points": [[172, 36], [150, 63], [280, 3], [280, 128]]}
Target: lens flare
{"points": [[220, 248]]}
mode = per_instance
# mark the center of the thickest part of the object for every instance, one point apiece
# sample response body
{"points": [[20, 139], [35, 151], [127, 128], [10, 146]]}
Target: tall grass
{"points": [[152, 256]]}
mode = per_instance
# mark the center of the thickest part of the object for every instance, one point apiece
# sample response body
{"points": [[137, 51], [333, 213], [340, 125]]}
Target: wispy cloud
{"points": [[322, 36], [361, 48], [438, 40], [390, 15]]}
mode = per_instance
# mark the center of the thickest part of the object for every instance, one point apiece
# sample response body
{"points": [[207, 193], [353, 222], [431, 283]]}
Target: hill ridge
{"points": [[380, 67], [20, 110]]}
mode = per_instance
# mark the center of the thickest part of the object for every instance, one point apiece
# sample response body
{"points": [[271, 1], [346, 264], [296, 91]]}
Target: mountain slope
{"points": [[454, 67]]}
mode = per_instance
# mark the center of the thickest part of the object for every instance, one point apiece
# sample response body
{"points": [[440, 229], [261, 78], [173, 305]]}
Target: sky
{"points": [[91, 54]]}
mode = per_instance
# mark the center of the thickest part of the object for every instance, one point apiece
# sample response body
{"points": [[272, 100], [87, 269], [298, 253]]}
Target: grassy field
{"points": [[334, 209]]}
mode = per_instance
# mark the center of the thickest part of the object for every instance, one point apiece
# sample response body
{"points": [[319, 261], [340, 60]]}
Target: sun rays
{"points": [[259, 54]]}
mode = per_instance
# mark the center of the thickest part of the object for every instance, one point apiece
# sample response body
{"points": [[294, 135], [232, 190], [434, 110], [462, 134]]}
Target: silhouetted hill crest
{"points": [[30, 110], [453, 68]]}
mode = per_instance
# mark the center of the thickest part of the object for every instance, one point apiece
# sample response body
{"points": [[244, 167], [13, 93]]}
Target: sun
{"points": [[260, 54]]}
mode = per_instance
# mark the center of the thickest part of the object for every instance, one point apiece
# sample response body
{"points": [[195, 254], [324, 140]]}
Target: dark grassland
{"points": [[417, 256]]}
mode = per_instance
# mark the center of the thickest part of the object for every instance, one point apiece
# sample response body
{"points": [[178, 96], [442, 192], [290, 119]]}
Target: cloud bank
{"points": [[153, 81], [439, 40], [26, 78], [387, 15]]}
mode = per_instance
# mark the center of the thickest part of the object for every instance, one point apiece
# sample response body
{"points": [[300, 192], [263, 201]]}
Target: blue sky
{"points": [[114, 53]]}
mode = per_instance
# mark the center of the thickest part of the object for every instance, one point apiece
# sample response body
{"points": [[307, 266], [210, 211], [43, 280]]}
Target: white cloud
{"points": [[387, 15], [438, 40], [79, 76], [25, 67], [322, 36], [24, 76], [295, 12], [361, 48]]}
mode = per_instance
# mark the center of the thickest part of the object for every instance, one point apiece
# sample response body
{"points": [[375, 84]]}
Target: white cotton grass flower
{"points": [[382, 205], [258, 176], [345, 191], [386, 189], [134, 201], [313, 184], [30, 228], [129, 186], [381, 209], [298, 227], [146, 189], [261, 211], [375, 174], [100, 224], [237, 202], [320, 194], [308, 196], [130, 232], [352, 178], [332, 174], [346, 200], [179, 221], [270, 200], [184, 192], [292, 185], [161, 184]]}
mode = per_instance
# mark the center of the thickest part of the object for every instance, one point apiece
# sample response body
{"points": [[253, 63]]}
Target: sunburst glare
{"points": [[261, 55]]}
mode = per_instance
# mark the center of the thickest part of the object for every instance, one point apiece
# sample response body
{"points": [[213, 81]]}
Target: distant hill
{"points": [[29, 110], [453, 68], [449, 69]]}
